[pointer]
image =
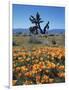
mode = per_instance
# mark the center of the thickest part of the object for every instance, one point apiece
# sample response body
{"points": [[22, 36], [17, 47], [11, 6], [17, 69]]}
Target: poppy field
{"points": [[38, 65]]}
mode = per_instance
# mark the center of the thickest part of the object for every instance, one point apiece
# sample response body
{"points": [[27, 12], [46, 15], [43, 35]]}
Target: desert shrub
{"points": [[51, 35], [19, 33], [53, 42], [45, 36], [14, 43], [35, 41]]}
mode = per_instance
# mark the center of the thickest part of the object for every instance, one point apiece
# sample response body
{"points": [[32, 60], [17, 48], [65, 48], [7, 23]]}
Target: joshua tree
{"points": [[34, 30], [37, 20], [46, 27]]}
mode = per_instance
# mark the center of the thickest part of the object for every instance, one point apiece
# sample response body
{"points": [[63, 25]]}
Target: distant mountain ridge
{"points": [[26, 31], [17, 30], [56, 31]]}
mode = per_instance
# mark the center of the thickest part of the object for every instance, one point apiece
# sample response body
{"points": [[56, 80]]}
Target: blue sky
{"points": [[21, 14]]}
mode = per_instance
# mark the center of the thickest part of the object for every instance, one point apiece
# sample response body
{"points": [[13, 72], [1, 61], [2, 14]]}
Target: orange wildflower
{"points": [[38, 77], [51, 80], [23, 68], [61, 67], [28, 74], [17, 69], [61, 75]]}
